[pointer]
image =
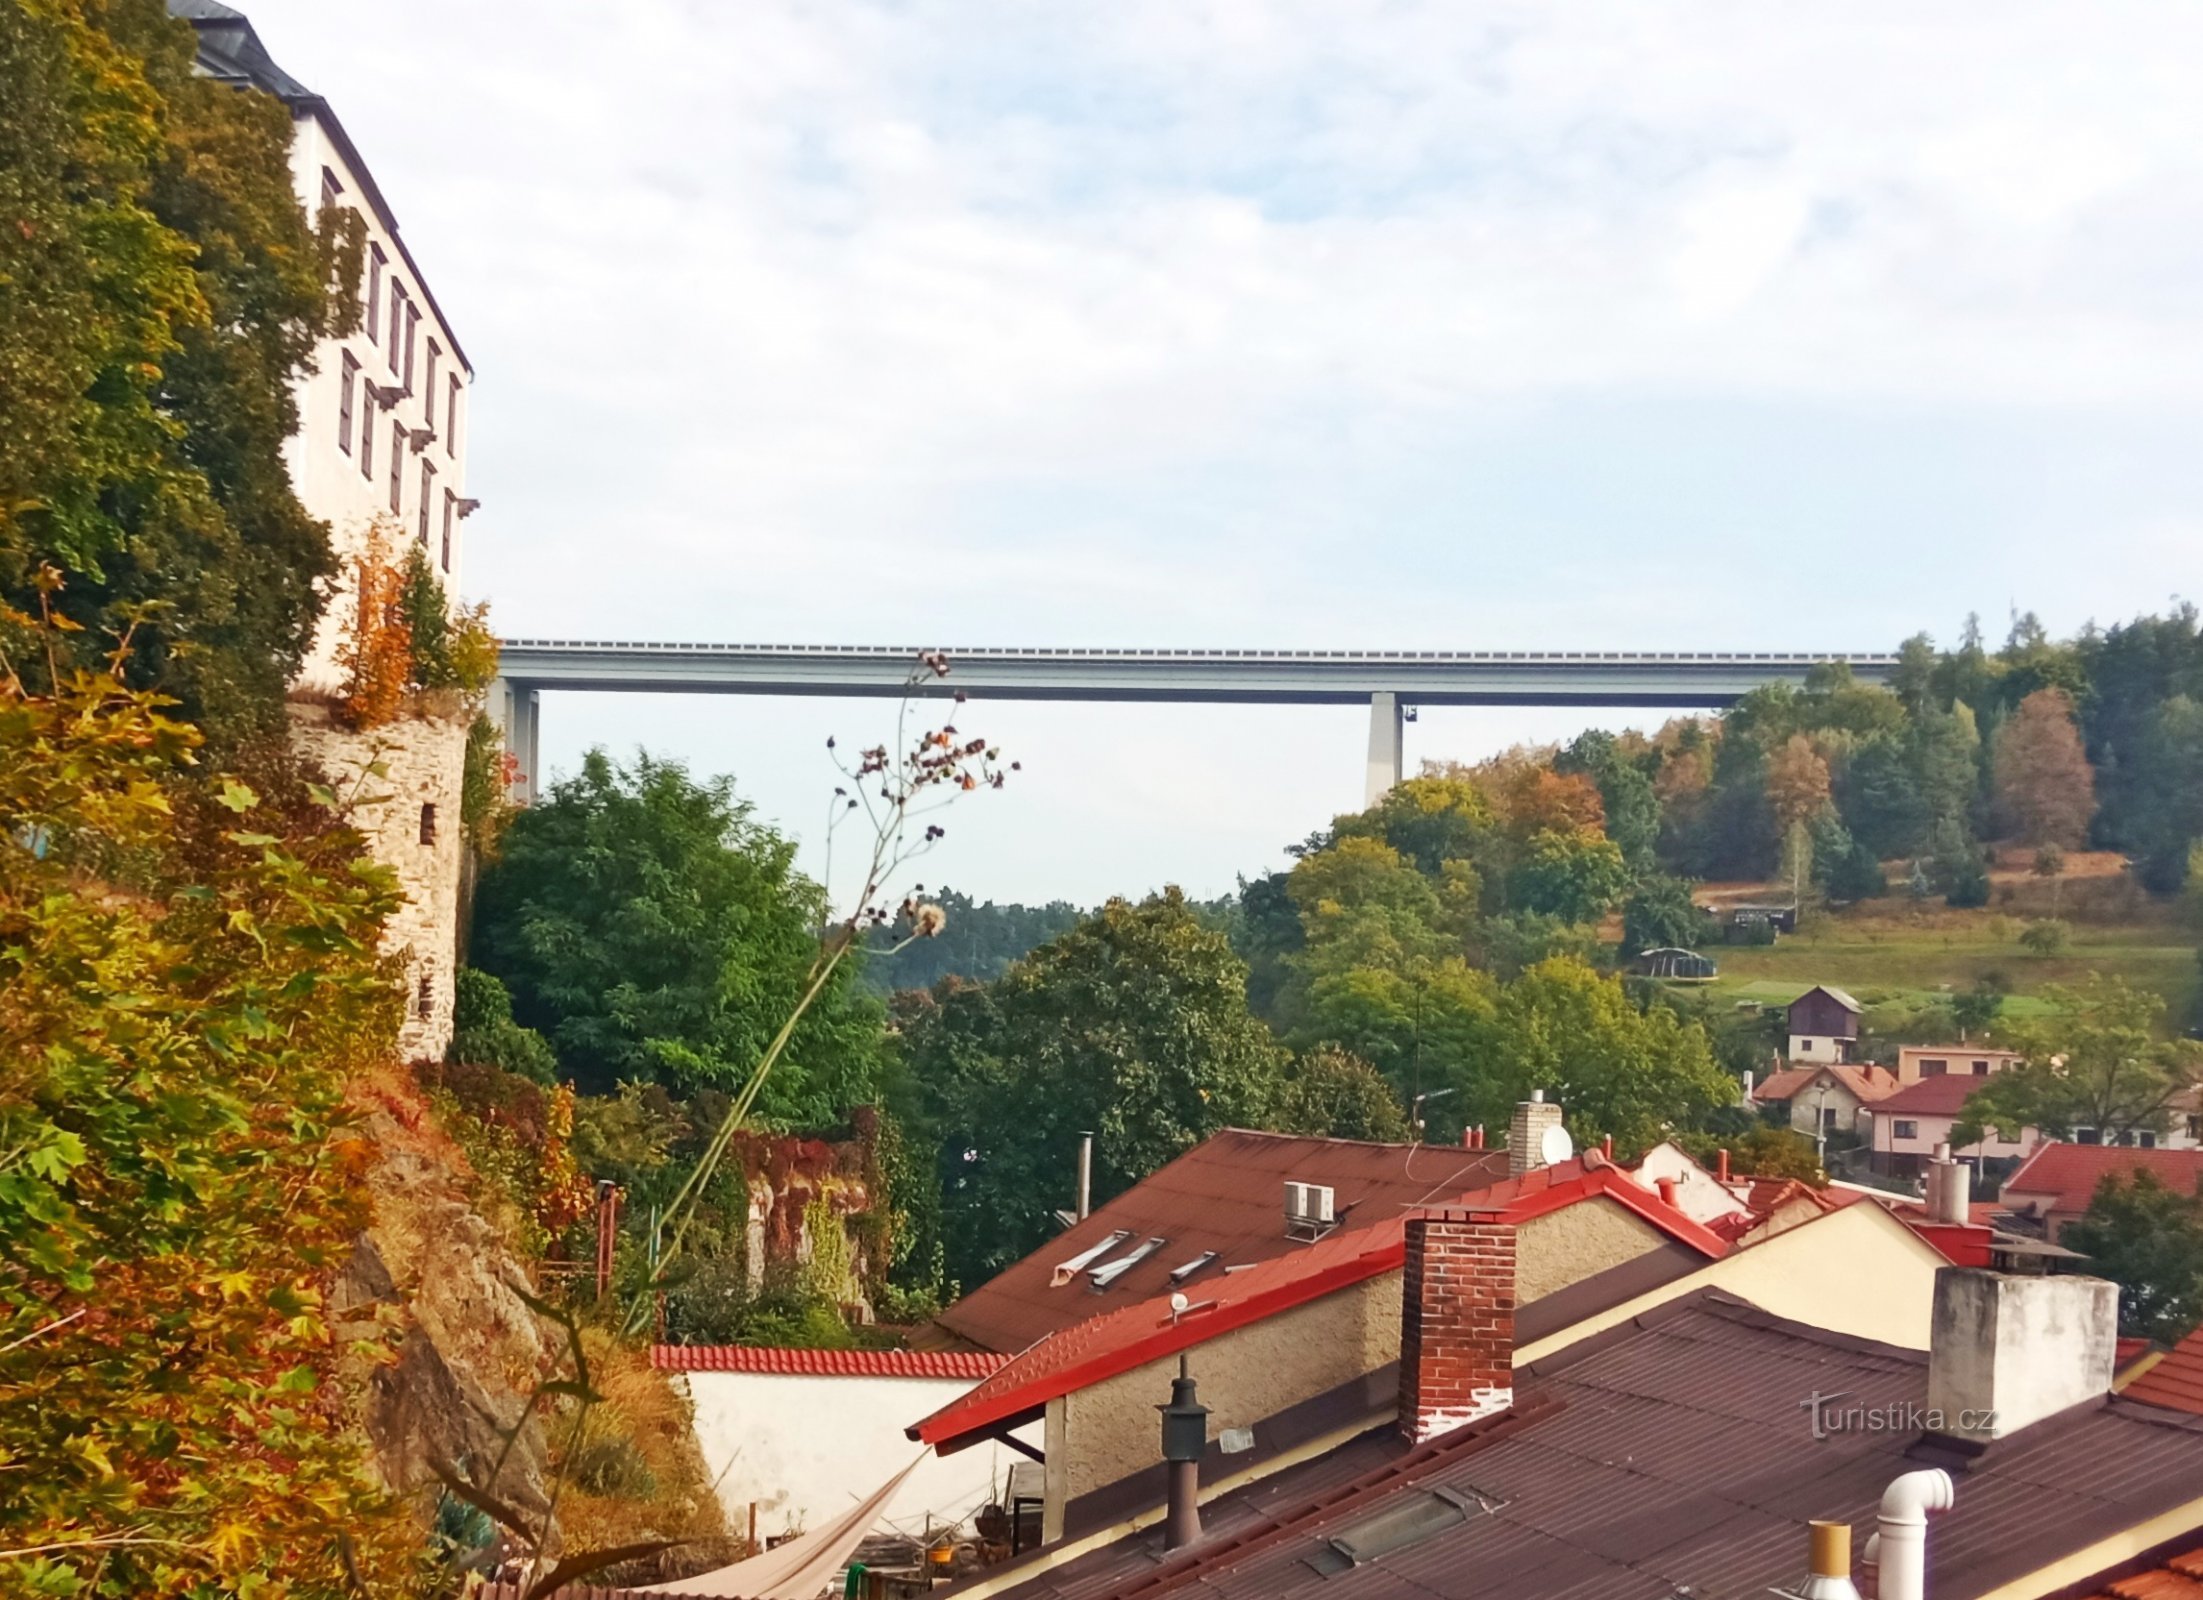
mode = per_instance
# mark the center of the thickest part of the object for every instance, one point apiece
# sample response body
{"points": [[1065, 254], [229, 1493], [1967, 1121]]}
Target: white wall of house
{"points": [[1815, 1047], [808, 1448], [1916, 1135], [1917, 1061]]}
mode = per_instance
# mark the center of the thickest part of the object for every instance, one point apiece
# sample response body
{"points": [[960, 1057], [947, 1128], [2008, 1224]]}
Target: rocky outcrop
{"points": [[432, 1274]]}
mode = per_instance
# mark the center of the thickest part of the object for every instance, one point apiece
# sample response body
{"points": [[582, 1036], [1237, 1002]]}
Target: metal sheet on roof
{"points": [[1226, 1194]]}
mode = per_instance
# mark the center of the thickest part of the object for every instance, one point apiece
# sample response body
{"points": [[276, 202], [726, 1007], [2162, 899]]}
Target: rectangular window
{"points": [[424, 998], [412, 325], [347, 376], [332, 192], [451, 418], [397, 324], [428, 823], [2087, 1136], [397, 469], [375, 259], [1934, 1069], [1905, 1130], [1981, 1069], [367, 430], [450, 500], [428, 386], [2147, 1139], [428, 494]]}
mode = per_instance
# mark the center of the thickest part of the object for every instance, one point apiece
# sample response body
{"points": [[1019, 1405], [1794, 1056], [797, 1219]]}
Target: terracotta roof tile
{"points": [[973, 1364], [2181, 1578], [1226, 1194], [1945, 1096], [2174, 1379], [2070, 1172]]}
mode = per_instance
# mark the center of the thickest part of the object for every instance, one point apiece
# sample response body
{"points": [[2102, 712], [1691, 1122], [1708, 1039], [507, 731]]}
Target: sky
{"points": [[1698, 324]]}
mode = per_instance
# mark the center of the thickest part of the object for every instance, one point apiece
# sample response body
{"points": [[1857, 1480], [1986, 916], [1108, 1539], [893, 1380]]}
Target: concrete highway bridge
{"points": [[1390, 682]]}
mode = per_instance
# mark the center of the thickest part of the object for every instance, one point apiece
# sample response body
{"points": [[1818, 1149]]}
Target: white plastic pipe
{"points": [[1902, 1550]]}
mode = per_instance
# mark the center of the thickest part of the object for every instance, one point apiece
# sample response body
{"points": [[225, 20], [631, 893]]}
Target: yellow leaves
{"points": [[235, 1285], [232, 1544], [90, 1454], [235, 796]]}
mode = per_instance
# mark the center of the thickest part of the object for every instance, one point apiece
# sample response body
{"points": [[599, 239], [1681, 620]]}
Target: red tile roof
{"points": [[2181, 1578], [2069, 1173], [1119, 1340], [1867, 1081], [1226, 1194], [1943, 1096], [2175, 1379], [973, 1364]]}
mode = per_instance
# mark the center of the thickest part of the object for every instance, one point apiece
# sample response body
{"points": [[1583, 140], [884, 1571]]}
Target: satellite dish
{"points": [[1556, 1146]]}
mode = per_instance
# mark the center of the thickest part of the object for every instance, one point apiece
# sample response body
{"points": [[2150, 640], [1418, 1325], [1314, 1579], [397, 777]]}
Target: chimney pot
{"points": [[2006, 1351], [1086, 1175], [1721, 1165], [1668, 1192]]}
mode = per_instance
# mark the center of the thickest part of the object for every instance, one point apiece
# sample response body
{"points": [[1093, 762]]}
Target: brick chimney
{"points": [[1526, 1134], [1457, 1320]]}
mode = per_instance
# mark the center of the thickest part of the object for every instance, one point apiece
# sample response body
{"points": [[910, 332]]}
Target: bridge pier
{"points": [[1386, 749], [520, 711]]}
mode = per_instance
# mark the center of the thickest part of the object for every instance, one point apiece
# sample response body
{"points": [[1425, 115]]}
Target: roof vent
{"points": [[1067, 1270], [1310, 1210], [1102, 1277], [1179, 1275]]}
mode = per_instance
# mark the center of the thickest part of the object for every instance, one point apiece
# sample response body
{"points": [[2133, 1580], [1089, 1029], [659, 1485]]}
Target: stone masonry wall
{"points": [[423, 758]]}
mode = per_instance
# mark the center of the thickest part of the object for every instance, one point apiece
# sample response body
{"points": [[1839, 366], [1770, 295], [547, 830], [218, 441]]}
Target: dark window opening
{"points": [[1934, 1069], [1906, 1130], [428, 494], [424, 998], [451, 417], [397, 468], [375, 260], [412, 326], [397, 323], [348, 378], [428, 386], [449, 500], [428, 822], [367, 430]]}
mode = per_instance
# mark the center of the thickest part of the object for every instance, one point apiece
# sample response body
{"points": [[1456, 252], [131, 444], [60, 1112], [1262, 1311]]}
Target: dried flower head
{"points": [[928, 921]]}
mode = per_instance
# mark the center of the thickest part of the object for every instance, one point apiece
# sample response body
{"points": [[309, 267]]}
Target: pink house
{"points": [[1909, 1124]]}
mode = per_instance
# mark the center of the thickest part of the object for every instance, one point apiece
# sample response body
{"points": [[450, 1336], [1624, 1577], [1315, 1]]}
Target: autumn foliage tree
{"points": [[2044, 785], [187, 979]]}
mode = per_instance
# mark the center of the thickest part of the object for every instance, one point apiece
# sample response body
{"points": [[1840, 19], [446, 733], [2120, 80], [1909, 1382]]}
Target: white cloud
{"points": [[1226, 321]]}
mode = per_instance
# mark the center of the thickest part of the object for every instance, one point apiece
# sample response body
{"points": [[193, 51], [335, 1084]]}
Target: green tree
{"points": [[1577, 876], [160, 291], [1424, 1028], [1976, 1010], [1332, 1093], [1660, 912], [2147, 1239], [1428, 820], [1362, 904], [2046, 936], [1638, 1075], [652, 930], [2097, 1061], [1632, 808], [1879, 794], [483, 1032], [1134, 1026]]}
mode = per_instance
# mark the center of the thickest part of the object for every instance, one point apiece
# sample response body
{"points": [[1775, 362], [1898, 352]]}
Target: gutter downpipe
{"points": [[1901, 1549]]}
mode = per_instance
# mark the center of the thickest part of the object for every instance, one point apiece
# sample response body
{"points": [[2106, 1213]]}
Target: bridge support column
{"points": [[521, 712], [1386, 751]]}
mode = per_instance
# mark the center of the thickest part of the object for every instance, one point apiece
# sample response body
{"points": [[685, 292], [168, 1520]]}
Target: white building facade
{"points": [[381, 444]]}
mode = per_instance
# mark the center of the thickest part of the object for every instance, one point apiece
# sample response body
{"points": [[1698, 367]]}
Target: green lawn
{"points": [[1893, 967]]}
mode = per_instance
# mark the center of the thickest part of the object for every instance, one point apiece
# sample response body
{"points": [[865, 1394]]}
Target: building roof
{"points": [[2174, 1379], [1834, 994], [1131, 1336], [230, 51], [1944, 1096], [2069, 1173], [1869, 1083], [972, 1364], [1671, 1454], [2178, 1578], [1227, 1195]]}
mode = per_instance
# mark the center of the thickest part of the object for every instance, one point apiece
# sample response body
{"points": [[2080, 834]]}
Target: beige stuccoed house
{"points": [[384, 419]]}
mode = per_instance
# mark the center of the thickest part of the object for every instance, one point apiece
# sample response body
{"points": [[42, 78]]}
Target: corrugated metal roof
{"points": [[1226, 1194], [1675, 1453], [2069, 1173], [973, 1364], [1119, 1340]]}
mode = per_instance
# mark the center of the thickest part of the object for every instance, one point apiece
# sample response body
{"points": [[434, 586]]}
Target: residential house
{"points": [[1917, 1061], [1828, 1098], [1909, 1124], [785, 1434], [2055, 1184], [1221, 1205], [1682, 1448], [1823, 1024]]}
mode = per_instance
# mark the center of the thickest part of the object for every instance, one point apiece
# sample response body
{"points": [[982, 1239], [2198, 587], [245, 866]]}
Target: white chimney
{"points": [[1949, 1195], [2007, 1351], [1530, 1141]]}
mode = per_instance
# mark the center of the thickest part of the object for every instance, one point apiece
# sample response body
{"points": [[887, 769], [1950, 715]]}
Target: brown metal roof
{"points": [[1226, 1194], [1671, 1452]]}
